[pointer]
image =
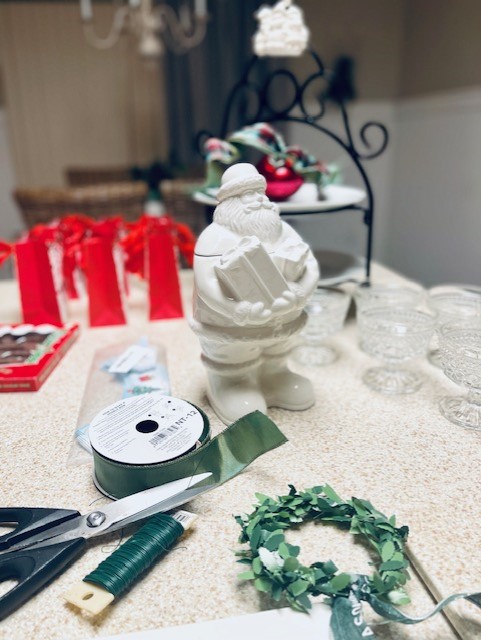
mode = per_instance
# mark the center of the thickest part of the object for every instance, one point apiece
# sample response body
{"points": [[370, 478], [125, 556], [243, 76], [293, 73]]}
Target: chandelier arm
{"points": [[103, 43], [178, 40]]}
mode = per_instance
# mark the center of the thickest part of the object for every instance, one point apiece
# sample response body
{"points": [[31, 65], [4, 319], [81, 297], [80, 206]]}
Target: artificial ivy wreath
{"points": [[275, 569]]}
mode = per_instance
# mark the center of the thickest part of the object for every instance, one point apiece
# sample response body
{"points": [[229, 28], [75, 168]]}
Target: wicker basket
{"points": [[86, 176], [177, 197], [44, 205]]}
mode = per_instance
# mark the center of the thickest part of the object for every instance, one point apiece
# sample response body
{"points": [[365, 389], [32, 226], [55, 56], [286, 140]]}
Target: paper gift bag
{"points": [[40, 290], [104, 282], [162, 272]]}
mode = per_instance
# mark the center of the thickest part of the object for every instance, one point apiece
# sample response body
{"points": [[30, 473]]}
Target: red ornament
{"points": [[282, 180]]}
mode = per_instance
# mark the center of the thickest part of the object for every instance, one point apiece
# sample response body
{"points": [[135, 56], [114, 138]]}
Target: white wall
{"points": [[427, 188], [434, 226], [10, 222], [345, 231]]}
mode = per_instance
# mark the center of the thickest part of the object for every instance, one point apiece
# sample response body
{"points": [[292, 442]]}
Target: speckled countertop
{"points": [[400, 453]]}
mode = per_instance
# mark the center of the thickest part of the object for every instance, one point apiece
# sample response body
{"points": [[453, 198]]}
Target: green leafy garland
{"points": [[275, 568]]}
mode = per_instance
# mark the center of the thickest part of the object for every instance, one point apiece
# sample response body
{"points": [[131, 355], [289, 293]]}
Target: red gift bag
{"points": [[104, 282], [40, 292], [161, 271]]}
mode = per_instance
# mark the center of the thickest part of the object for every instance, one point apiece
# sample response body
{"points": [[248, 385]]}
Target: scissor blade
{"points": [[146, 503], [167, 505], [118, 514]]}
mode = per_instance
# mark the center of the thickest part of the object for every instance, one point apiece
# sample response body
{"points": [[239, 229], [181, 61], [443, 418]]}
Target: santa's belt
{"points": [[236, 333]]}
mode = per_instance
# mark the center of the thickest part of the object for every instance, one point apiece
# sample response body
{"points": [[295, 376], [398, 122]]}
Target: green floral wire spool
{"points": [[128, 562]]}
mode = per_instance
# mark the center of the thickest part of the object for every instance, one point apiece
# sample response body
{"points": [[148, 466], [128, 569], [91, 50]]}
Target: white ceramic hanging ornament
{"points": [[252, 276], [282, 31]]}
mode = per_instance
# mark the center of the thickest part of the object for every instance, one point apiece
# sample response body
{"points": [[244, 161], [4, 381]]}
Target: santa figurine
{"points": [[252, 277]]}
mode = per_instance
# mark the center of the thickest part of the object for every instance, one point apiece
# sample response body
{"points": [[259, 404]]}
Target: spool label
{"points": [[146, 429]]}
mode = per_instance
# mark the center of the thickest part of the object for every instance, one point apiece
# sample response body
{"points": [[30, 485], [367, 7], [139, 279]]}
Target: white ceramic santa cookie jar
{"points": [[253, 275]]}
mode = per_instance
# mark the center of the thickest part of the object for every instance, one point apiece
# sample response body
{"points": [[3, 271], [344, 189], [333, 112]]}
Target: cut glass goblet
{"points": [[394, 336], [326, 313], [460, 354]]}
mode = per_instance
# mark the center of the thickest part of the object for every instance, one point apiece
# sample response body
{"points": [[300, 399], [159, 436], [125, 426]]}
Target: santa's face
{"points": [[251, 214], [254, 200]]}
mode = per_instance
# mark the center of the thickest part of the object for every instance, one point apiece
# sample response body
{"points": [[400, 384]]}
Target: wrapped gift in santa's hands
{"points": [[291, 257], [252, 278]]}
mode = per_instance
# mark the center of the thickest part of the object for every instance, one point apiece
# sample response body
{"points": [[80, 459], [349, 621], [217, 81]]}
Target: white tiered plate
{"points": [[337, 197]]}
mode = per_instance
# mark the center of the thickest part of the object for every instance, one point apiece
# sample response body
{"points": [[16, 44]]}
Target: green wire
{"points": [[124, 566]]}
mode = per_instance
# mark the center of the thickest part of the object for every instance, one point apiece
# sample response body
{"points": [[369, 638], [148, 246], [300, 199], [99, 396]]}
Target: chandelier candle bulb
{"points": [[201, 8], [119, 571]]}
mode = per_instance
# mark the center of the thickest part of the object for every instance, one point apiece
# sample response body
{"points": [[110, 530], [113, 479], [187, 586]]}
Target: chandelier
{"points": [[155, 25]]}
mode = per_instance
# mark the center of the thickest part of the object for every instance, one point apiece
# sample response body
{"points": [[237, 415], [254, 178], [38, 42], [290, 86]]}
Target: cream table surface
{"points": [[397, 452]]}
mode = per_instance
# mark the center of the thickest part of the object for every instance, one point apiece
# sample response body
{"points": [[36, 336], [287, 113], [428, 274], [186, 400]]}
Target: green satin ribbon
{"points": [[347, 622], [224, 456]]}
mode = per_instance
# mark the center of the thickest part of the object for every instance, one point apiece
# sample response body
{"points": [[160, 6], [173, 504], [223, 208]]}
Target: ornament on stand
{"points": [[249, 300], [282, 180], [290, 171], [282, 31]]}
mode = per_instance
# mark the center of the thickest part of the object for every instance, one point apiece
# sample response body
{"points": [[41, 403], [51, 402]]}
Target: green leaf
{"points": [[378, 583], [276, 591], [298, 587], [304, 601], [340, 581], [391, 565], [262, 584], [329, 567], [246, 575], [262, 498], [272, 543], [255, 537], [257, 566], [331, 494], [291, 564], [293, 550], [387, 550]]}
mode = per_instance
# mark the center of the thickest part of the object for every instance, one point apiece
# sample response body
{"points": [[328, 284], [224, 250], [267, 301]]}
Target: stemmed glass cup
{"points": [[326, 313], [404, 295], [452, 303], [394, 336], [460, 355]]}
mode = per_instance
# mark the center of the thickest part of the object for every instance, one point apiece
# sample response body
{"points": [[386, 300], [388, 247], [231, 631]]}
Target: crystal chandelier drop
{"points": [[155, 25]]}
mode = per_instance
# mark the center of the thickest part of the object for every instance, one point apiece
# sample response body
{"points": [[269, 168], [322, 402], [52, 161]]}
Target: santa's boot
{"points": [[282, 387], [233, 389]]}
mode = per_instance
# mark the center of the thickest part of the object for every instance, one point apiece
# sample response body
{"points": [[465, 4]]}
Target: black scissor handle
{"points": [[30, 521], [33, 568]]}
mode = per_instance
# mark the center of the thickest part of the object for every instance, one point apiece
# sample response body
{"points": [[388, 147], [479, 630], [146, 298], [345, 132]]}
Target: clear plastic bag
{"points": [[104, 387]]}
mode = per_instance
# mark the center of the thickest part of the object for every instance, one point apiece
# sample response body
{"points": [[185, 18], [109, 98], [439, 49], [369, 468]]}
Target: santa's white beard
{"points": [[264, 223]]}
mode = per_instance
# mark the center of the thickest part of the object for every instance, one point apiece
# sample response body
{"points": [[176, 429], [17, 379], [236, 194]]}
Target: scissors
{"points": [[46, 541]]}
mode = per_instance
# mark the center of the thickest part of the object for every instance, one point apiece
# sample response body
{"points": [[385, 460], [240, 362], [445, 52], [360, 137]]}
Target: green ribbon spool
{"points": [[224, 456]]}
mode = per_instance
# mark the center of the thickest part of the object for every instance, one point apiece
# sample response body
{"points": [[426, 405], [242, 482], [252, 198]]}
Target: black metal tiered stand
{"points": [[254, 100]]}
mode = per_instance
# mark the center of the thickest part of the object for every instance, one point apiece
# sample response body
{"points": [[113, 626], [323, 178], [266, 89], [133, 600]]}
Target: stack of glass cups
{"points": [[452, 303], [326, 310]]}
